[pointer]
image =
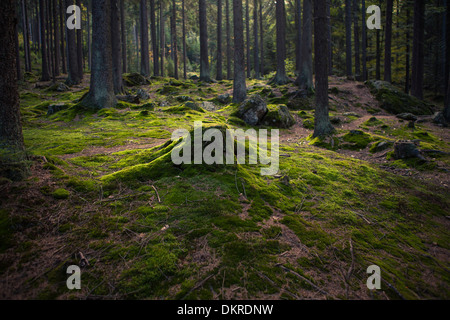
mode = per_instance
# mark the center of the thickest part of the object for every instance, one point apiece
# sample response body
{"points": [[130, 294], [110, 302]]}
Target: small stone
{"points": [[224, 98], [142, 94], [407, 116]]}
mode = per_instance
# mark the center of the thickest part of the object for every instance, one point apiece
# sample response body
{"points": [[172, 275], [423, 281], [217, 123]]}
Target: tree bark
{"points": [[80, 47], [261, 33], [73, 76], [388, 42], [123, 38], [239, 85], [184, 42], [247, 29], [229, 76], [61, 29], [116, 46], [408, 52], [26, 36], [154, 39], [298, 39], [101, 92], [418, 49], [305, 78], [18, 67], [174, 39], [280, 77], [219, 75], [348, 38], [45, 71], [364, 42], [162, 36], [204, 58], [12, 148], [447, 101], [256, 40], [57, 46], [323, 126], [356, 39], [329, 39], [145, 62]]}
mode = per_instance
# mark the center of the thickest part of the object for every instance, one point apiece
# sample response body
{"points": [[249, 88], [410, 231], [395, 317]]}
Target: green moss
{"points": [[6, 231], [357, 140], [61, 194]]}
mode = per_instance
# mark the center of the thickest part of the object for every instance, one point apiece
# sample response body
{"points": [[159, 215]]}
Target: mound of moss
{"points": [[395, 101], [356, 140], [135, 79], [279, 117]]}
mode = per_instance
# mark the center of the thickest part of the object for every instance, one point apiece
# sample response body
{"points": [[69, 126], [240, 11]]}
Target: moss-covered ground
{"points": [[103, 184]]}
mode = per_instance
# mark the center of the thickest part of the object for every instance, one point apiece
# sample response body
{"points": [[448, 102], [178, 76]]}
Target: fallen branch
{"points": [[394, 289], [83, 261], [157, 194], [198, 285]]}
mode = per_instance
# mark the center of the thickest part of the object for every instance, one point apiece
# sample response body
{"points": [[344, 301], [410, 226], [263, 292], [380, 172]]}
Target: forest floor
{"points": [[102, 184]]}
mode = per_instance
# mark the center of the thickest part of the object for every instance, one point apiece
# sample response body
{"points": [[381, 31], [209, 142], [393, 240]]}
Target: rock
{"points": [[224, 98], [380, 146], [164, 104], [308, 124], [54, 108], [438, 118], [396, 101], [406, 150], [335, 120], [352, 114], [207, 105], [193, 106], [407, 116], [267, 92], [142, 94], [184, 98], [62, 87], [135, 79], [301, 103], [253, 110], [194, 77], [279, 117]]}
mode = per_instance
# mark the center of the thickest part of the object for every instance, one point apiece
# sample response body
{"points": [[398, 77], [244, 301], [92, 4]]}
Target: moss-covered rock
{"points": [[135, 79], [308, 124], [252, 111], [303, 103], [279, 117], [395, 101]]}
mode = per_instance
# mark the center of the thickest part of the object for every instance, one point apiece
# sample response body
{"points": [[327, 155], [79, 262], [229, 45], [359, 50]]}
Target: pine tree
{"points": [[239, 85]]}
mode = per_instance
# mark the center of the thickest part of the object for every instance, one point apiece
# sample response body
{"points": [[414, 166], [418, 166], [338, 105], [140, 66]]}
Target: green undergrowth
{"points": [[165, 231]]}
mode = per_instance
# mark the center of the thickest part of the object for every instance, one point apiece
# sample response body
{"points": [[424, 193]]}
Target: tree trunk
{"points": [[154, 39], [145, 62], [239, 85], [388, 42], [184, 42], [447, 39], [256, 39], [204, 59], [12, 148], [356, 39], [447, 101], [229, 76], [18, 67], [323, 126], [123, 37], [364, 42], [162, 36], [219, 75], [247, 29], [298, 39], [101, 93], [348, 38], [80, 47], [174, 38], [116, 47], [61, 29], [72, 60], [45, 71], [280, 76], [329, 39], [26, 36], [57, 46], [418, 49], [408, 52], [261, 33], [305, 78]]}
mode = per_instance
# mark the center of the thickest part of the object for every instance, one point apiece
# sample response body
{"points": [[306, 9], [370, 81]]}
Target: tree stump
{"points": [[406, 150]]}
